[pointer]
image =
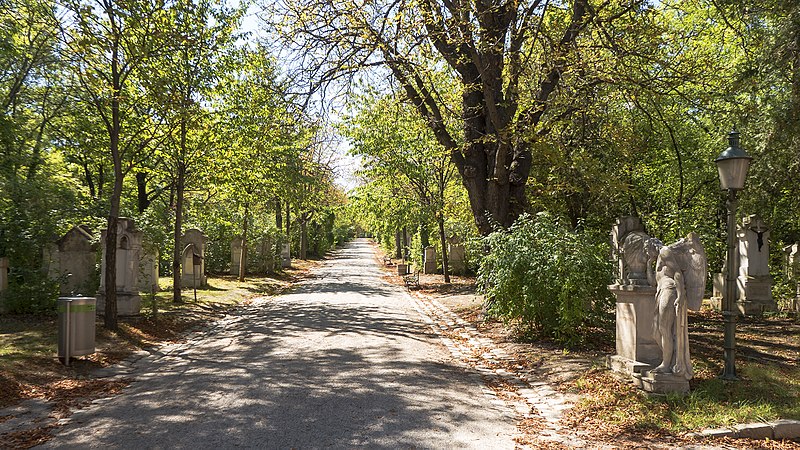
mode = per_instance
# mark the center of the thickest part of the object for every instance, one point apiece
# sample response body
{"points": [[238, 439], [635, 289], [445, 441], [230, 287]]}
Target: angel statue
{"points": [[680, 279]]}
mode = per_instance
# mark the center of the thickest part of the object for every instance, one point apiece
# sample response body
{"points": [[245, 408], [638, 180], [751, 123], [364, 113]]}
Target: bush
{"points": [[30, 292], [549, 280]]}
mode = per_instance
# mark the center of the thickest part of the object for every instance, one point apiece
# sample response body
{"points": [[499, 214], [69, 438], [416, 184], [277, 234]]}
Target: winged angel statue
{"points": [[680, 279]]}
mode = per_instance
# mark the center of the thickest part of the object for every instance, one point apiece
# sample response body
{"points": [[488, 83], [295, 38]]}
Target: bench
{"points": [[387, 260], [411, 280]]}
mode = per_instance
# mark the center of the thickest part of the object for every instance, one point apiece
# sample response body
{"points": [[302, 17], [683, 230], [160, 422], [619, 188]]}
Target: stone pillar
{"points": [[754, 281], [129, 247], [429, 260], [636, 348], [194, 243], [286, 255], [456, 255], [236, 255]]}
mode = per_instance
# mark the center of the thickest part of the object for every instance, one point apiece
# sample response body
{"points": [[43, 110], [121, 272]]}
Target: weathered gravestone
{"points": [[72, 260], [148, 271], [286, 255], [429, 257], [792, 264], [636, 348], [456, 255], [266, 255], [129, 247], [754, 281], [193, 261], [236, 255]]}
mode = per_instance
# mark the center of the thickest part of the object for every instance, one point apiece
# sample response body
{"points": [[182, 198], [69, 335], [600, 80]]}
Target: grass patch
{"points": [[615, 407]]}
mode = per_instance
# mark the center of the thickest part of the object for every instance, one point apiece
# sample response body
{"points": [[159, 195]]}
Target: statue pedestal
{"points": [[637, 349], [661, 383]]}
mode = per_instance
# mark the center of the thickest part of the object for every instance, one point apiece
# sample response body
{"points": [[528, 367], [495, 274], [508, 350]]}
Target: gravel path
{"points": [[343, 361]]}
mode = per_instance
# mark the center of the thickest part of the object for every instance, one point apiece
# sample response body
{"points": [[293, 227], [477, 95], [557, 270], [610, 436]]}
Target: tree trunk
{"points": [[288, 225], [142, 201], [405, 243], [278, 217], [110, 314], [303, 237], [398, 248], [443, 239], [243, 254], [177, 253]]}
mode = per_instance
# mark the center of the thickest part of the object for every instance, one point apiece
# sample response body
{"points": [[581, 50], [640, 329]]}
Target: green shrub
{"points": [[547, 279], [30, 292]]}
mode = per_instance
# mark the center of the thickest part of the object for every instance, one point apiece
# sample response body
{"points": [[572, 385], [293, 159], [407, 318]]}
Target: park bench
{"points": [[387, 260], [411, 280]]}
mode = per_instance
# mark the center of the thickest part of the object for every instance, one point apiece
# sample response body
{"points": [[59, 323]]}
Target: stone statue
{"points": [[637, 247], [680, 277]]}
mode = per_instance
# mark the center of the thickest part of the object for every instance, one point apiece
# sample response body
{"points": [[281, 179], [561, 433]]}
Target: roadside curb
{"points": [[775, 430]]}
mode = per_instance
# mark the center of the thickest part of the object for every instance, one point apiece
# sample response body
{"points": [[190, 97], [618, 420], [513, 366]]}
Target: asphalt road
{"points": [[342, 361]]}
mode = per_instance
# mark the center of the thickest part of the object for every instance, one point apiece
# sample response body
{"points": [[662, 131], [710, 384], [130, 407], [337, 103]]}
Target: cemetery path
{"points": [[342, 361]]}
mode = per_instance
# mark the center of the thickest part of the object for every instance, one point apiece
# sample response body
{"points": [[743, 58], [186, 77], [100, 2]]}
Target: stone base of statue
{"points": [[128, 303], [661, 383], [636, 347]]}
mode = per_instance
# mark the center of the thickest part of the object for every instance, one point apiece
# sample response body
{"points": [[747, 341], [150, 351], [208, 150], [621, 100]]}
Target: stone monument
{"points": [[457, 255], [148, 271], [286, 255], [193, 260], [236, 255], [636, 348], [129, 247], [754, 281], [72, 260], [680, 276], [429, 257], [792, 264]]}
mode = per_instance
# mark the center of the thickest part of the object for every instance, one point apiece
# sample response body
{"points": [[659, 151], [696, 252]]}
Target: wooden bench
{"points": [[387, 260], [411, 280]]}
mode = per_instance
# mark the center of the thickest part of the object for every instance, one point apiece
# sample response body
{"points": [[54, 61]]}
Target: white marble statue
{"points": [[680, 279]]}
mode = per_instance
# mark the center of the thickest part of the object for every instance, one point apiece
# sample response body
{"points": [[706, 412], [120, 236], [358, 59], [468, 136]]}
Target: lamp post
{"points": [[732, 165]]}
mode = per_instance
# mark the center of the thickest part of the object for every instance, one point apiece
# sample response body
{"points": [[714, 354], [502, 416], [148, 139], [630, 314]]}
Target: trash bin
{"points": [[402, 269], [76, 317]]}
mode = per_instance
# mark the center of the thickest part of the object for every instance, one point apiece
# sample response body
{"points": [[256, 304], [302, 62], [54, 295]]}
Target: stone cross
{"points": [[755, 283]]}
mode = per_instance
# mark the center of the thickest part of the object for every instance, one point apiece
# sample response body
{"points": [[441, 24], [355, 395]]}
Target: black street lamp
{"points": [[732, 165]]}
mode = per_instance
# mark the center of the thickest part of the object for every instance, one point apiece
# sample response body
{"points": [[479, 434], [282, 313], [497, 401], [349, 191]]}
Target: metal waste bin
{"points": [[76, 327]]}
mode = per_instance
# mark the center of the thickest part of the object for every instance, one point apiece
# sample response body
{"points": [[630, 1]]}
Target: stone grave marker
{"points": [[754, 281], [129, 247], [429, 257], [194, 250], [792, 264], [148, 271], [72, 260], [457, 255], [236, 255], [286, 255]]}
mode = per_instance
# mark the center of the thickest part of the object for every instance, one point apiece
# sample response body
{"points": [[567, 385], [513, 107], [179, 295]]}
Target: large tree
{"points": [[508, 56]]}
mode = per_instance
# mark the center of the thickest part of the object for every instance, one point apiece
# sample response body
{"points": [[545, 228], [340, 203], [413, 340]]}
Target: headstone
{"points": [[193, 260], [236, 255], [3, 274], [429, 265], [266, 255], [72, 260], [286, 255], [754, 281], [457, 255], [148, 271], [792, 263], [636, 348], [129, 247]]}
